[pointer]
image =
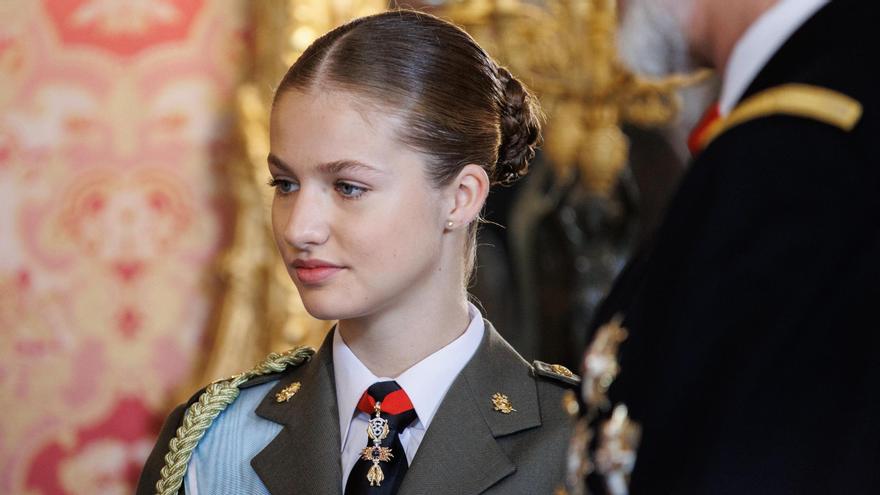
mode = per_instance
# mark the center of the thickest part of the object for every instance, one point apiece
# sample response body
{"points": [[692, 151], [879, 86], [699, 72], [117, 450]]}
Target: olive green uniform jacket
{"points": [[470, 447]]}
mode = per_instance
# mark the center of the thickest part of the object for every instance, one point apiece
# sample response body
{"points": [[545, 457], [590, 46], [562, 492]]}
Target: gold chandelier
{"points": [[565, 50]]}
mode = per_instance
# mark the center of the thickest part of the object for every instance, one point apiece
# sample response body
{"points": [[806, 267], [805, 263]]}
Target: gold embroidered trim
{"points": [[799, 100]]}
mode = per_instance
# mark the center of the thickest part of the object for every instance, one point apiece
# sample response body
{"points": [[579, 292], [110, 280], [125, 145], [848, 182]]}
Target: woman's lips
{"points": [[314, 272]]}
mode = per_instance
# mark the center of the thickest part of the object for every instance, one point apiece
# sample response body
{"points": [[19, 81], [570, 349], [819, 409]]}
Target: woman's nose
{"points": [[307, 223]]}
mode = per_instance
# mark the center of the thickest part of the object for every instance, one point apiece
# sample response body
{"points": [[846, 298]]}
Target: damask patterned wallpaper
{"points": [[115, 116]]}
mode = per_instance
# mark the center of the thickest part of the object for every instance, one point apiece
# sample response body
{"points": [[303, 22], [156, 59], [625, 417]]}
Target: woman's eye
{"points": [[283, 186], [349, 190]]}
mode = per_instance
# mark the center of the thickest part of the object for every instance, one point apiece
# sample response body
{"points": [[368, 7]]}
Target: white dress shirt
{"points": [[759, 43], [426, 383]]}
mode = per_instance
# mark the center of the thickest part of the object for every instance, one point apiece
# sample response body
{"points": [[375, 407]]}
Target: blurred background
{"points": [[135, 258]]}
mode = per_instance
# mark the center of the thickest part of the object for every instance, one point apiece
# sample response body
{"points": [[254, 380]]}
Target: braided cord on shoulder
{"points": [[199, 416]]}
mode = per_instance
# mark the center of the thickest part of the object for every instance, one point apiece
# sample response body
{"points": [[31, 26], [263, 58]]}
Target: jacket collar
{"points": [[307, 449], [798, 55], [460, 451]]}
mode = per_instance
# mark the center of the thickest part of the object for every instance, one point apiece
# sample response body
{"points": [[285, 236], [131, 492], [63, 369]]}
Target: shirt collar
{"points": [[759, 43], [426, 382]]}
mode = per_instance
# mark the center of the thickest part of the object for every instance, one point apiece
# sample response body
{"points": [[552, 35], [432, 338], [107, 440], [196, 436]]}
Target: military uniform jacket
{"points": [[469, 448], [752, 358]]}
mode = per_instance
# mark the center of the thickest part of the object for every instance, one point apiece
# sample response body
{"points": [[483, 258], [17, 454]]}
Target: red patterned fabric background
{"points": [[115, 116]]}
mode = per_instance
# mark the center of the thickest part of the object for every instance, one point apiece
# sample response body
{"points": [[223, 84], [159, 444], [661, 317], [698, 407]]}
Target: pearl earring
{"points": [[449, 224]]}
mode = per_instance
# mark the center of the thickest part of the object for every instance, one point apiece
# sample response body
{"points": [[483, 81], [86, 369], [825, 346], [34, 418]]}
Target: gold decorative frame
{"points": [[258, 310]]}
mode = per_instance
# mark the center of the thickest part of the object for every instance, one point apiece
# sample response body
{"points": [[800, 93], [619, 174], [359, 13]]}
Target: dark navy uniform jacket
{"points": [[753, 357]]}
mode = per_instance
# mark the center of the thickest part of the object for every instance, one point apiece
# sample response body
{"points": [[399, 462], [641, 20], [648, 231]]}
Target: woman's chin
{"points": [[321, 313], [328, 310]]}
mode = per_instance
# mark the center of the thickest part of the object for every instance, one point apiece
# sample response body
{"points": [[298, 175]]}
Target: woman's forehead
{"points": [[350, 104], [334, 127]]}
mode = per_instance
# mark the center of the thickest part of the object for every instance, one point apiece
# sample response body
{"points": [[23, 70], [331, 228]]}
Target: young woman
{"points": [[386, 135]]}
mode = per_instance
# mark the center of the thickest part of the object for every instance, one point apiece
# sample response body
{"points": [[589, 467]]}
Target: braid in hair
{"points": [[520, 129]]}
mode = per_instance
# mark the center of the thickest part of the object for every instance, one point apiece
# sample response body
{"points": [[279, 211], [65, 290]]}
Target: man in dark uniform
{"points": [[751, 361]]}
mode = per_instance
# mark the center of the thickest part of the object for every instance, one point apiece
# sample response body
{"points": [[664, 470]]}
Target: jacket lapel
{"points": [[459, 453], [799, 53], [304, 456]]}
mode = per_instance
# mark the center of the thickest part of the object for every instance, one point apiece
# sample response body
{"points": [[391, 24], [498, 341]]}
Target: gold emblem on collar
{"points": [[502, 404], [287, 392]]}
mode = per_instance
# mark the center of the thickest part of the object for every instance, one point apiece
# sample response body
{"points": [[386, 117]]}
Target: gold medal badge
{"points": [[377, 430]]}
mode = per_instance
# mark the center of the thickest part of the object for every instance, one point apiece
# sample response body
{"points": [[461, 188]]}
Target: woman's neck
{"points": [[392, 340]]}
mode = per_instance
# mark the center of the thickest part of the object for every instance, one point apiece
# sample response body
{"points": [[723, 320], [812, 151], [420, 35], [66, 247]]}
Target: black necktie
{"points": [[382, 465]]}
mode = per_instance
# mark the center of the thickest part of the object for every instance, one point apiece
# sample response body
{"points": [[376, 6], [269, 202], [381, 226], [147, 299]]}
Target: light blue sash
{"points": [[221, 463]]}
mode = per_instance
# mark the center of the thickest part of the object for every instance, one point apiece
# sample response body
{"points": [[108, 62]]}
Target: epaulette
{"points": [[797, 100], [556, 372]]}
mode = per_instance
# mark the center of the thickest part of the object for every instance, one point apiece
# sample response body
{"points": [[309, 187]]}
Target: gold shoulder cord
{"points": [[799, 100], [199, 416]]}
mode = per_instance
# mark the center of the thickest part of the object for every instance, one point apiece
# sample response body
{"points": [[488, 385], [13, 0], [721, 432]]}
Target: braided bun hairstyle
{"points": [[520, 130], [455, 104]]}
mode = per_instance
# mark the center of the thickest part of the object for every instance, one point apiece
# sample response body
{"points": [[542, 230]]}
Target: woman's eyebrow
{"points": [[330, 168], [278, 163], [339, 166]]}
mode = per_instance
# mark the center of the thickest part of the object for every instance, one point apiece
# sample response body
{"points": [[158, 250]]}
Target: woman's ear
{"points": [[468, 193]]}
